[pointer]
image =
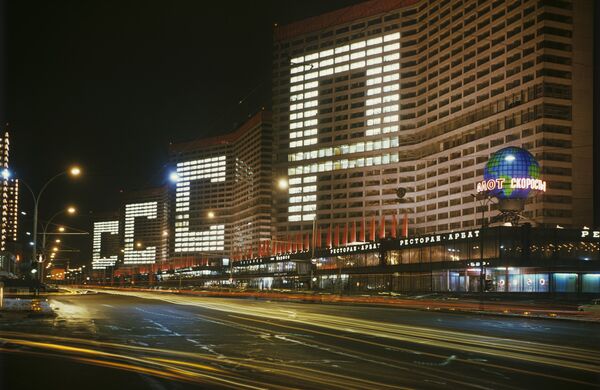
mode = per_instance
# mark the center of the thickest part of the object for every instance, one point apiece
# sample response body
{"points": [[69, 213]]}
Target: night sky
{"points": [[108, 84]]}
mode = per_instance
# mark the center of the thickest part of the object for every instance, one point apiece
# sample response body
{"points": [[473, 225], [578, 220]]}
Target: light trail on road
{"points": [[175, 368], [534, 352], [251, 344]]}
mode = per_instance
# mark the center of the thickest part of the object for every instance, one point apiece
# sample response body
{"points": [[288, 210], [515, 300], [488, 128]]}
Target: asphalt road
{"points": [[158, 341]]}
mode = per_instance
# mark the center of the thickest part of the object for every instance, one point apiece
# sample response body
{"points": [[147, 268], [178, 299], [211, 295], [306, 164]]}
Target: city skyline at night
{"points": [[300, 194]]}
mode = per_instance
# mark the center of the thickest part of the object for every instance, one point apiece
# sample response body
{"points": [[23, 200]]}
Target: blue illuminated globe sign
{"points": [[511, 173]]}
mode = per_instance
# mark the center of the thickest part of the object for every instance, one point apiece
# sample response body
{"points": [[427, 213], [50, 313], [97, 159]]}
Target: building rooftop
{"points": [[340, 16], [140, 194], [259, 117]]}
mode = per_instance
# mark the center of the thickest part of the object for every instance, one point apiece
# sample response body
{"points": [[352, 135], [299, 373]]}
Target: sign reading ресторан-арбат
{"points": [[453, 236], [590, 233], [366, 247]]}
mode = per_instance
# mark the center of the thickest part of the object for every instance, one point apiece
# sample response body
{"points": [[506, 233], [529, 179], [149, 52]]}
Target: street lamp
{"points": [[174, 177], [74, 171], [282, 183]]}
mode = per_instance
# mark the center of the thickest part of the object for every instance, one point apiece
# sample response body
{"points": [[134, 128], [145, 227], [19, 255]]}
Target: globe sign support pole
{"points": [[481, 268], [484, 203]]}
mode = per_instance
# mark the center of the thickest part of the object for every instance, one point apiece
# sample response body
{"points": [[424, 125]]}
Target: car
{"points": [[594, 306], [51, 288]]}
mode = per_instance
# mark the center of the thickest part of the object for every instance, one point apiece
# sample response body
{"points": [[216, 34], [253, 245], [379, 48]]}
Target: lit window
{"points": [[309, 76], [357, 55], [326, 63], [374, 41], [357, 65], [342, 49], [373, 51], [373, 91], [357, 45]]}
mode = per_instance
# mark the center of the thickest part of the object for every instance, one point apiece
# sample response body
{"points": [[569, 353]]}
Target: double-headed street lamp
{"points": [[69, 210], [73, 171]]}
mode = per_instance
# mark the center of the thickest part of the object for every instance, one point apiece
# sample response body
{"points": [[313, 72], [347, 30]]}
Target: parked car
{"points": [[51, 288], [593, 306]]}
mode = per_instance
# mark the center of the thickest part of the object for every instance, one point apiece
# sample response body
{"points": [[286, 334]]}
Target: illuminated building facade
{"points": [[105, 243], [144, 225], [9, 192], [417, 94], [223, 193]]}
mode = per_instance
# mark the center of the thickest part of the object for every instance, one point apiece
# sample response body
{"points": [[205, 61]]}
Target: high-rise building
{"points": [[223, 192], [144, 226], [417, 94], [9, 192]]}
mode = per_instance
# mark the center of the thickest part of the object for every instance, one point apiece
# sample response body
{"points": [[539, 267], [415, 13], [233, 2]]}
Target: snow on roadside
{"points": [[26, 305]]}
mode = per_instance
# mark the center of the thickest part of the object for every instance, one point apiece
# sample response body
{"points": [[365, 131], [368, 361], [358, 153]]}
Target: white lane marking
{"points": [[161, 314], [162, 327], [334, 351], [206, 348]]}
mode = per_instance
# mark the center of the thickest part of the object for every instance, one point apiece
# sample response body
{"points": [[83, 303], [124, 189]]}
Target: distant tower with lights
{"points": [[9, 193]]}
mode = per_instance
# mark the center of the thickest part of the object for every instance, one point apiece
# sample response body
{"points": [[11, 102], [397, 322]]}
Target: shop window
{"points": [[591, 283], [565, 282]]}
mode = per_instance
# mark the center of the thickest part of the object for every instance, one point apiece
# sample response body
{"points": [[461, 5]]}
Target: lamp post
{"points": [[485, 200], [283, 184], [75, 172], [312, 256], [70, 210]]}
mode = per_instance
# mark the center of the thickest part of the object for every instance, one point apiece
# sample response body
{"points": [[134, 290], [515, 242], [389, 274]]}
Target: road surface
{"points": [[164, 341]]}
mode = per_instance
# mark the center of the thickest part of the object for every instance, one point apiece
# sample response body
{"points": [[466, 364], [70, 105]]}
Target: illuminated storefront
{"points": [[516, 260]]}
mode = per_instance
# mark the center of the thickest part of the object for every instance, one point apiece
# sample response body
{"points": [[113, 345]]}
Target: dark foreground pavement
{"points": [[149, 340]]}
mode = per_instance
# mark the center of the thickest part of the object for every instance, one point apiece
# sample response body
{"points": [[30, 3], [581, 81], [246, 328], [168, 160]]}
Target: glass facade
{"points": [[515, 260]]}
